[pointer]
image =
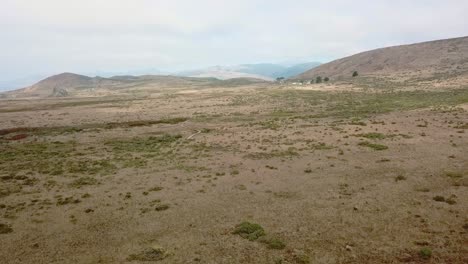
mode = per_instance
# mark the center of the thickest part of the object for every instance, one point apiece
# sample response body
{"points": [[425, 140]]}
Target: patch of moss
{"points": [[358, 123], [67, 200], [373, 145], [454, 175], [5, 228], [400, 178], [161, 207], [155, 189], [83, 181]]}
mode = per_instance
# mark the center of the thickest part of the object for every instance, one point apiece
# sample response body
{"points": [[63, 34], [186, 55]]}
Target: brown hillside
{"points": [[448, 56]]}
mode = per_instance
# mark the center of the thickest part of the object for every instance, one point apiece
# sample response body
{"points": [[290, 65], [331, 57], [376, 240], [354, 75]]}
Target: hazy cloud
{"points": [[51, 36]]}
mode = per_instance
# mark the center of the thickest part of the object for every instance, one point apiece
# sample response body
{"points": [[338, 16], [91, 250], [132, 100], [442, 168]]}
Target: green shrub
{"points": [[249, 231], [273, 243], [425, 253]]}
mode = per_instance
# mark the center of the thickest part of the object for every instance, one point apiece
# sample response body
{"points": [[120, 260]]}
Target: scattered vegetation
{"points": [[301, 258], [290, 152], [154, 253], [82, 181], [358, 123], [139, 123], [53, 158], [58, 130], [150, 144], [364, 104], [39, 162], [273, 242], [372, 135], [439, 198], [67, 200], [373, 145]]}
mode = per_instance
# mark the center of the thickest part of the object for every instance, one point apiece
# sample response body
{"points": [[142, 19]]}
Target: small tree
{"points": [[326, 79], [279, 79], [355, 73], [318, 79]]}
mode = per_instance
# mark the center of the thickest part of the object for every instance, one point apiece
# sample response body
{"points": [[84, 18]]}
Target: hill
{"points": [[70, 84], [56, 83], [440, 57]]}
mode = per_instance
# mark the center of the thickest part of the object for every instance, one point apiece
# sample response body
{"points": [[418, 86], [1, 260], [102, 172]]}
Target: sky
{"points": [[40, 38]]}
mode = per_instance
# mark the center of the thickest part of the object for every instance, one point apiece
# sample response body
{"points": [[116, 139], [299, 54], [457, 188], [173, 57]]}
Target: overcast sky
{"points": [[85, 36]]}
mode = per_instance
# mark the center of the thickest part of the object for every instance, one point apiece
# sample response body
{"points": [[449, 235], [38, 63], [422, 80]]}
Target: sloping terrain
{"points": [[441, 57]]}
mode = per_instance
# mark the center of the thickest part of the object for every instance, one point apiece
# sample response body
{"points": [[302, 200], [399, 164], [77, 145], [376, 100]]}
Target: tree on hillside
{"points": [[318, 79], [355, 73], [279, 79], [326, 79]]}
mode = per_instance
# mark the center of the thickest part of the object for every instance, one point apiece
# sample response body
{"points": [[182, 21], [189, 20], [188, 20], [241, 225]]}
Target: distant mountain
{"points": [[134, 72], [296, 69], [440, 57], [265, 71], [224, 73], [70, 84]]}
